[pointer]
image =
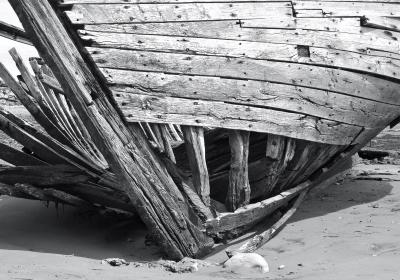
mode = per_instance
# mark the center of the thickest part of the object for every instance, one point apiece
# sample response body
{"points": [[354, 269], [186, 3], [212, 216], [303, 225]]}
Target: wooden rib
{"points": [[239, 188], [129, 13], [32, 106], [43, 175], [14, 33], [219, 114], [203, 211], [16, 157], [34, 145], [195, 149], [307, 76], [257, 50], [275, 156], [253, 213], [166, 137], [143, 178], [24, 133]]}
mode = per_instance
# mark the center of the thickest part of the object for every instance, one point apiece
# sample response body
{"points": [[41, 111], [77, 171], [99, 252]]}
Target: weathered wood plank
{"points": [[337, 80], [338, 24], [219, 114], [360, 42], [195, 149], [130, 13], [144, 179], [239, 186], [324, 104], [256, 50], [253, 213]]}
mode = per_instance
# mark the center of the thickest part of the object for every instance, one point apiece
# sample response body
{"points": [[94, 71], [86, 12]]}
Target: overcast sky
{"points": [[7, 15]]}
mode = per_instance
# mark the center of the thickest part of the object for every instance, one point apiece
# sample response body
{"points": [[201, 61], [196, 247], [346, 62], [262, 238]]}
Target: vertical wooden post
{"points": [[239, 186], [195, 148], [143, 177]]}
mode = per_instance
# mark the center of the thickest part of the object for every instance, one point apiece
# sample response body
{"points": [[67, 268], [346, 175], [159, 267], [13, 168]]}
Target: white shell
{"points": [[245, 261]]}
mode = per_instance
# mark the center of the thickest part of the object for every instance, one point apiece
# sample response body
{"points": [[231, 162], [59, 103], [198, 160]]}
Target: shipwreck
{"points": [[203, 117]]}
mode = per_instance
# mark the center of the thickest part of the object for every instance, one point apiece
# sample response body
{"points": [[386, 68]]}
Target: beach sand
{"points": [[349, 230]]}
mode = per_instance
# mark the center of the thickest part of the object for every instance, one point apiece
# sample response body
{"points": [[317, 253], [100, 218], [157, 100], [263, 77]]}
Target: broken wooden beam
{"points": [[251, 214], [142, 175]]}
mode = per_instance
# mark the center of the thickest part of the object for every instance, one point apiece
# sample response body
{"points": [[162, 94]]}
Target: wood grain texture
{"points": [[337, 80], [130, 13], [239, 187], [238, 48], [143, 177], [195, 149], [219, 114], [319, 103]]}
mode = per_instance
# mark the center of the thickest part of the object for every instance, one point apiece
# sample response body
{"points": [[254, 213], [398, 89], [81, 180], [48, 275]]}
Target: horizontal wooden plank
{"points": [[257, 50], [348, 8], [130, 13], [215, 28], [323, 104], [359, 42], [281, 72], [136, 107]]}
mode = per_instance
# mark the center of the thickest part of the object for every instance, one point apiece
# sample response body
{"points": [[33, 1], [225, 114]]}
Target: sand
{"points": [[349, 230]]}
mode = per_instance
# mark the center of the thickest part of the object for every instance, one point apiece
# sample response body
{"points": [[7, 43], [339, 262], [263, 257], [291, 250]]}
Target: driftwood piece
{"points": [[142, 176], [195, 149], [239, 186]]}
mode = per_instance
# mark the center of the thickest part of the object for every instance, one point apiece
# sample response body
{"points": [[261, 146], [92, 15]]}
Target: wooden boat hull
{"points": [[246, 104]]}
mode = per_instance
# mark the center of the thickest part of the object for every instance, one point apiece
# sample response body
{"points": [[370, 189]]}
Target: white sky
{"points": [[8, 15]]}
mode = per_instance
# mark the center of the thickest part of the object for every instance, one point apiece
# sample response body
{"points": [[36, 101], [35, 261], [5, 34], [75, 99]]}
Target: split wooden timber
{"points": [[141, 173]]}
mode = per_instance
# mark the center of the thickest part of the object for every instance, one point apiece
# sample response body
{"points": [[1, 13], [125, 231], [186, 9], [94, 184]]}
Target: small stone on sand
{"points": [[244, 261]]}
